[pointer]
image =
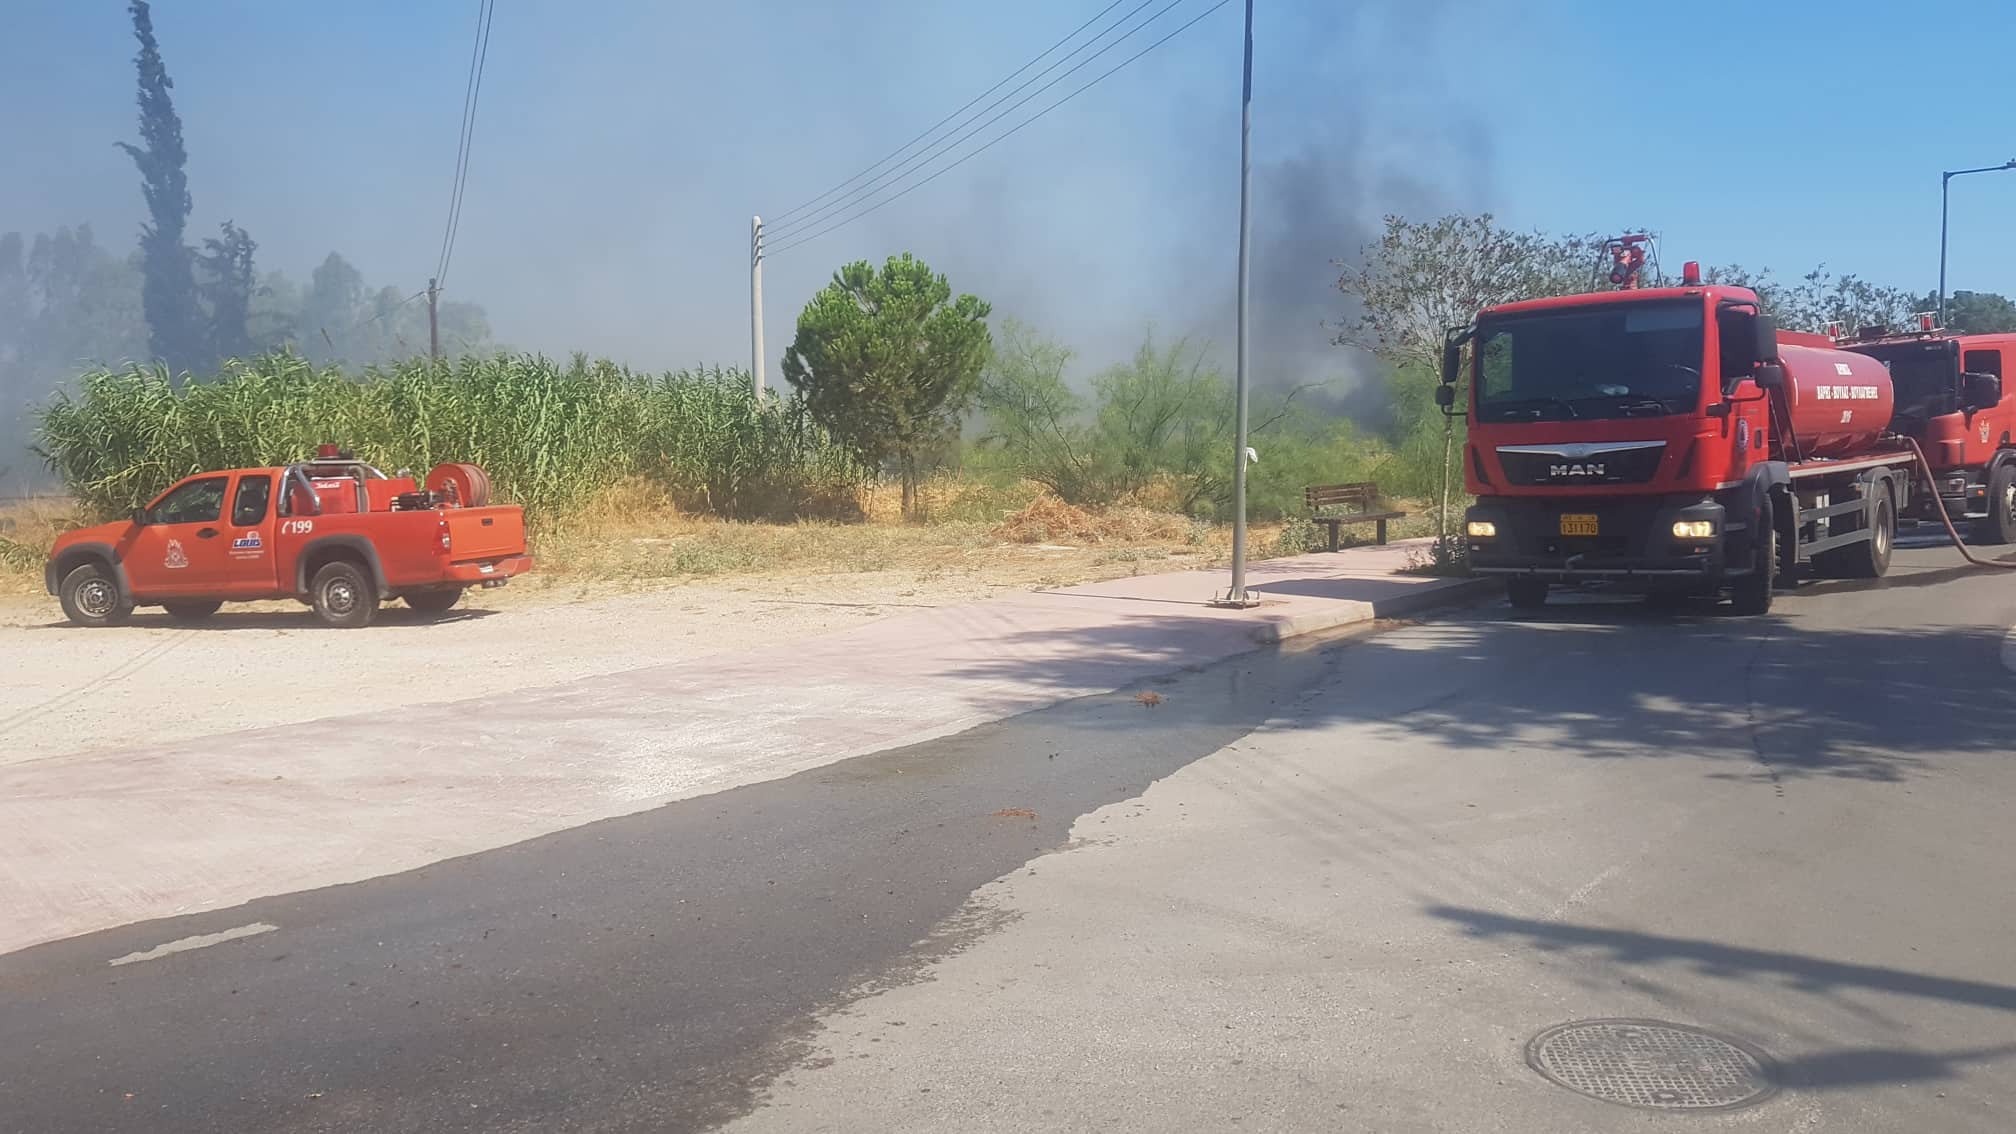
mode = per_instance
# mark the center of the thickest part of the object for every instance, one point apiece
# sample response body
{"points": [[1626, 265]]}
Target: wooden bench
{"points": [[1357, 501]]}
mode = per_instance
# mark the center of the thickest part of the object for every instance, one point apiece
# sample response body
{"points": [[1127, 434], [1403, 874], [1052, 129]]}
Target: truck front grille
{"points": [[1566, 465]]}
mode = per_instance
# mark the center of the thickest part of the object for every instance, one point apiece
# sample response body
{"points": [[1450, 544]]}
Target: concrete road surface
{"points": [[1336, 887]]}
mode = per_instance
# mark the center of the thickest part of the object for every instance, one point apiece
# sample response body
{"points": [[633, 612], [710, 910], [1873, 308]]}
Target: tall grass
{"points": [[550, 435]]}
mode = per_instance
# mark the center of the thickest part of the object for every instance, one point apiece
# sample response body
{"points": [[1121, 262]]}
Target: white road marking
{"points": [[1583, 891], [200, 941], [2009, 650]]}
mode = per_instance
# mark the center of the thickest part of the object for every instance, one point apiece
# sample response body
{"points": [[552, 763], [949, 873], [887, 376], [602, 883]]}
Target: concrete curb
{"points": [[1451, 592]]}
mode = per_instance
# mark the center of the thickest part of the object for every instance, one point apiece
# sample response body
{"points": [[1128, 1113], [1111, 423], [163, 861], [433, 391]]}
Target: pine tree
{"points": [[176, 331], [228, 283]]}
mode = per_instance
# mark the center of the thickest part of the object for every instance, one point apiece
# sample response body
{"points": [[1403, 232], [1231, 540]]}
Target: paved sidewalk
{"points": [[112, 838]]}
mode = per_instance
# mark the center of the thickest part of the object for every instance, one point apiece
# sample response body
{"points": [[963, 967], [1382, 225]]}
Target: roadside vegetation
{"points": [[914, 432]]}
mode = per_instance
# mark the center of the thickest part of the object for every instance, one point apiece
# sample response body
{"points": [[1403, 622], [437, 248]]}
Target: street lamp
{"points": [[1945, 180], [1237, 595]]}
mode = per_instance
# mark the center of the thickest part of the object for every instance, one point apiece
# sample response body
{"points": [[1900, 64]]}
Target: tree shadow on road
{"points": [[1823, 1069], [1767, 700]]}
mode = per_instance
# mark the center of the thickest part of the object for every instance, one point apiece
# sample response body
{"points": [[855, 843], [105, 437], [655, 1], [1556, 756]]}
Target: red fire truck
{"points": [[1948, 397], [333, 532], [1672, 440]]}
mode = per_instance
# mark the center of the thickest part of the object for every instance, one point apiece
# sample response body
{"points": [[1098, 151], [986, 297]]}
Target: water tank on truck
{"points": [[1839, 403]]}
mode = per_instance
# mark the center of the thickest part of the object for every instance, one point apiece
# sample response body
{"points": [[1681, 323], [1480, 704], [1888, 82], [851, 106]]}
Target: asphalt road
{"points": [[1336, 887]]}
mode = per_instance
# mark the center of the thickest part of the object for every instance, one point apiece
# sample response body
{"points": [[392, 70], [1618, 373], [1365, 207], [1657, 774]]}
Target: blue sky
{"points": [[622, 146]]}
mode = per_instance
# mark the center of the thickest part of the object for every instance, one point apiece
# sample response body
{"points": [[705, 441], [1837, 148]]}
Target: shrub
{"points": [[550, 435]]}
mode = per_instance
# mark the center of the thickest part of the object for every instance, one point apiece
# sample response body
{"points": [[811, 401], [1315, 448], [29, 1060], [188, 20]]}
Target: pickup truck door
{"points": [[182, 549], [251, 554]]}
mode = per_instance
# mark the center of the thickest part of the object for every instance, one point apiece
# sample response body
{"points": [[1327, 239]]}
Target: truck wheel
{"points": [[1870, 559], [1999, 526], [343, 596], [1752, 594], [434, 602], [90, 597], [1526, 594], [191, 611]]}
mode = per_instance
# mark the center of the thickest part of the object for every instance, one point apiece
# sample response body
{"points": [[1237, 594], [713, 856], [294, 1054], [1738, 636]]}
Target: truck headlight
{"points": [[1693, 529], [1481, 529]]}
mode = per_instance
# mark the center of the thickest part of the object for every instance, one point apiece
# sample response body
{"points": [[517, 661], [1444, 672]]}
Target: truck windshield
{"points": [[1621, 360]]}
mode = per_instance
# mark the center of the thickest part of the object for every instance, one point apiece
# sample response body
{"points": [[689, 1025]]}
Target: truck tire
{"points": [[434, 602], [342, 595], [191, 611], [1999, 526], [90, 597], [1526, 594], [1870, 559], [1751, 594]]}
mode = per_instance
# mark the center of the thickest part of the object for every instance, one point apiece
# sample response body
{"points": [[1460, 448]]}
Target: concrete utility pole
{"points": [[1945, 182], [756, 303], [1237, 595], [433, 319]]}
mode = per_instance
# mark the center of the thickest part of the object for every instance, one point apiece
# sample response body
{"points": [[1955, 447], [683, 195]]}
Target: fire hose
{"points": [[1925, 467]]}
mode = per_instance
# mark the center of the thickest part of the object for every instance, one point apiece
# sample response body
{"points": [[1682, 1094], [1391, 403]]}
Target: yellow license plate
{"points": [[1578, 524]]}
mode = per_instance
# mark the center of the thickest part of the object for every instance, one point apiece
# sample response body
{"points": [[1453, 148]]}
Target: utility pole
{"points": [[1945, 181], [756, 304], [1237, 595], [434, 319]]}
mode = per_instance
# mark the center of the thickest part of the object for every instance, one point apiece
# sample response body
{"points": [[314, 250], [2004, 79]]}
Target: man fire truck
{"points": [[1673, 440]]}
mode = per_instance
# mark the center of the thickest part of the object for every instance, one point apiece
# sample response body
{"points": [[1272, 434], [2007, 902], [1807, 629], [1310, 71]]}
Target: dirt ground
{"points": [[71, 690]]}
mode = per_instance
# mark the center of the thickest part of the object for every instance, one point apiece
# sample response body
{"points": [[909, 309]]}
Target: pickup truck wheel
{"points": [[191, 611], [434, 602], [90, 597], [343, 596], [1526, 594]]}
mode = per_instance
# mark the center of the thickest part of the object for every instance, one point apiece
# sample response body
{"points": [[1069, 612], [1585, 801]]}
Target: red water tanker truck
{"points": [[1672, 440]]}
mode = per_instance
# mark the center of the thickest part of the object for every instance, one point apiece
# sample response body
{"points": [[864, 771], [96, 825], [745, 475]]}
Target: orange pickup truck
{"points": [[333, 532]]}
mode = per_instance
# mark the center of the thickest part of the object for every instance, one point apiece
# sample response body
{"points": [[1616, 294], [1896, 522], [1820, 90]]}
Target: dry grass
{"points": [[27, 528], [1049, 520], [630, 538]]}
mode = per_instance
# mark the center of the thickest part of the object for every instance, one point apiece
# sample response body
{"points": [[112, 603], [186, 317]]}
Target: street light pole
{"points": [[1945, 181], [1237, 595]]}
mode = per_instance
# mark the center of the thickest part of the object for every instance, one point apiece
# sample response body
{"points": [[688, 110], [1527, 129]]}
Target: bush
{"points": [[1445, 555], [551, 436], [1300, 536]]}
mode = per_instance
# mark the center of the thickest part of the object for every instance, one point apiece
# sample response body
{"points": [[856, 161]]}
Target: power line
{"points": [[479, 54], [1004, 137], [939, 147], [363, 323], [788, 214]]}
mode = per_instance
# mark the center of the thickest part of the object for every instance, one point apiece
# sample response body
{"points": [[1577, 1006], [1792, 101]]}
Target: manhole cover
{"points": [[1646, 1063]]}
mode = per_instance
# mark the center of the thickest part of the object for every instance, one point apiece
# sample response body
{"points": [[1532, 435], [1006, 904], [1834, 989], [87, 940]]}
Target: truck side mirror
{"points": [[1445, 396], [140, 516], [1766, 349], [1770, 377], [1981, 390], [1452, 361]]}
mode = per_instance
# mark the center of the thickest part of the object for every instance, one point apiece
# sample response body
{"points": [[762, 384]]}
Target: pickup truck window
{"points": [[248, 507], [198, 502]]}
